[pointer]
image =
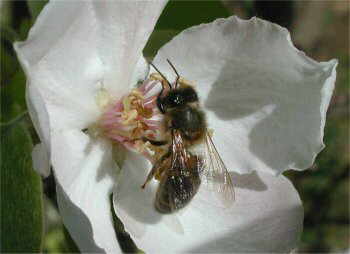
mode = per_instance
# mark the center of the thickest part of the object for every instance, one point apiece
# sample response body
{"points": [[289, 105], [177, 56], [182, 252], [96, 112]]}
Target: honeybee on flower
{"points": [[265, 100]]}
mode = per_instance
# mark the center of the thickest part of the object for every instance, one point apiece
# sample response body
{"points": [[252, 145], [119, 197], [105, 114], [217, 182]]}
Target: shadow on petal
{"points": [[210, 197], [250, 181], [108, 168], [258, 221], [279, 232], [134, 205], [232, 96], [278, 108], [86, 171], [77, 222]]}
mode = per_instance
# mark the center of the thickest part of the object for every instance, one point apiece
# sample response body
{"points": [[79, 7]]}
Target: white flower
{"points": [[265, 100]]}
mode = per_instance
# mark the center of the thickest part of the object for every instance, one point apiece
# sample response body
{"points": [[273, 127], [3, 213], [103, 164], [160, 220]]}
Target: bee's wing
{"points": [[214, 174], [183, 182], [179, 151]]}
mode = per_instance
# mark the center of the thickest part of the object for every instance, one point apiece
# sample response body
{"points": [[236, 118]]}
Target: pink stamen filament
{"points": [[126, 121], [150, 102], [152, 122]]}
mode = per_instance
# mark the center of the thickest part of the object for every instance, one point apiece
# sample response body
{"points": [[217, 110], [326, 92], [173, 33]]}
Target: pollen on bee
{"points": [[132, 119]]}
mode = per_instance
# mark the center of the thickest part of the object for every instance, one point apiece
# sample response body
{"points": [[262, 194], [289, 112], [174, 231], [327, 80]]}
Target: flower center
{"points": [[134, 119]]}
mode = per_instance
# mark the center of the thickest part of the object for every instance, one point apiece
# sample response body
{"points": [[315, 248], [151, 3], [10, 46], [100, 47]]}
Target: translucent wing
{"points": [[214, 174], [181, 180]]}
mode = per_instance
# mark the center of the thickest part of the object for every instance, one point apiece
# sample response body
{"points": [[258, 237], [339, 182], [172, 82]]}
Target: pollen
{"points": [[133, 119]]}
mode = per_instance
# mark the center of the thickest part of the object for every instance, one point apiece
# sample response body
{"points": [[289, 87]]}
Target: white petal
{"points": [[76, 47], [128, 192], [266, 216], [266, 100], [60, 58], [73, 48], [85, 170], [124, 29], [141, 71], [40, 118], [40, 159]]}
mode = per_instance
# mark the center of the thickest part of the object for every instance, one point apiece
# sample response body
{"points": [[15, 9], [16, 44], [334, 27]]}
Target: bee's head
{"points": [[179, 97]]}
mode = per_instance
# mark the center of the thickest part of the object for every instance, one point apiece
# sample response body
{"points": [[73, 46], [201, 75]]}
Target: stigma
{"points": [[133, 119]]}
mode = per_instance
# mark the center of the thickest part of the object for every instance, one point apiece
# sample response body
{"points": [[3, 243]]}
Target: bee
{"points": [[180, 170]]}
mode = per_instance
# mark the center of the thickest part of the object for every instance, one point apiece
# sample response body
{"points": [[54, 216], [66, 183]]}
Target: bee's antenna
{"points": [[161, 74], [177, 74]]}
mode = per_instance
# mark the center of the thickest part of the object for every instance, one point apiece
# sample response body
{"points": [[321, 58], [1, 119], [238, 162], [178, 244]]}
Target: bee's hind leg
{"points": [[157, 169], [149, 177], [155, 142]]}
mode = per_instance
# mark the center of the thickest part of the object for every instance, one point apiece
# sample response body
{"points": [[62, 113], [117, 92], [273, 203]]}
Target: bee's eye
{"points": [[190, 95], [178, 99], [174, 100]]}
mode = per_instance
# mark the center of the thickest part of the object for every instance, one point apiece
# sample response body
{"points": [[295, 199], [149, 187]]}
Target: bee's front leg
{"points": [[160, 104], [164, 82]]}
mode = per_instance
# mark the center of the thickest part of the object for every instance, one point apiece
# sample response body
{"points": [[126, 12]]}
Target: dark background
{"points": [[320, 28]]}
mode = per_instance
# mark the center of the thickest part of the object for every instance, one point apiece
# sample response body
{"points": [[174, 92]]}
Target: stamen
{"points": [[133, 117]]}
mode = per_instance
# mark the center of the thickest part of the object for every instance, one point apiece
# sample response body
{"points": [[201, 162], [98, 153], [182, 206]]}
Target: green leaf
{"points": [[24, 28], [8, 34], [179, 15], [21, 193], [70, 244], [35, 7], [13, 97], [5, 17], [8, 61], [158, 39]]}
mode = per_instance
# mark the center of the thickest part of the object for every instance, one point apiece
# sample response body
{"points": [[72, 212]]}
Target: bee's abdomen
{"points": [[175, 192]]}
